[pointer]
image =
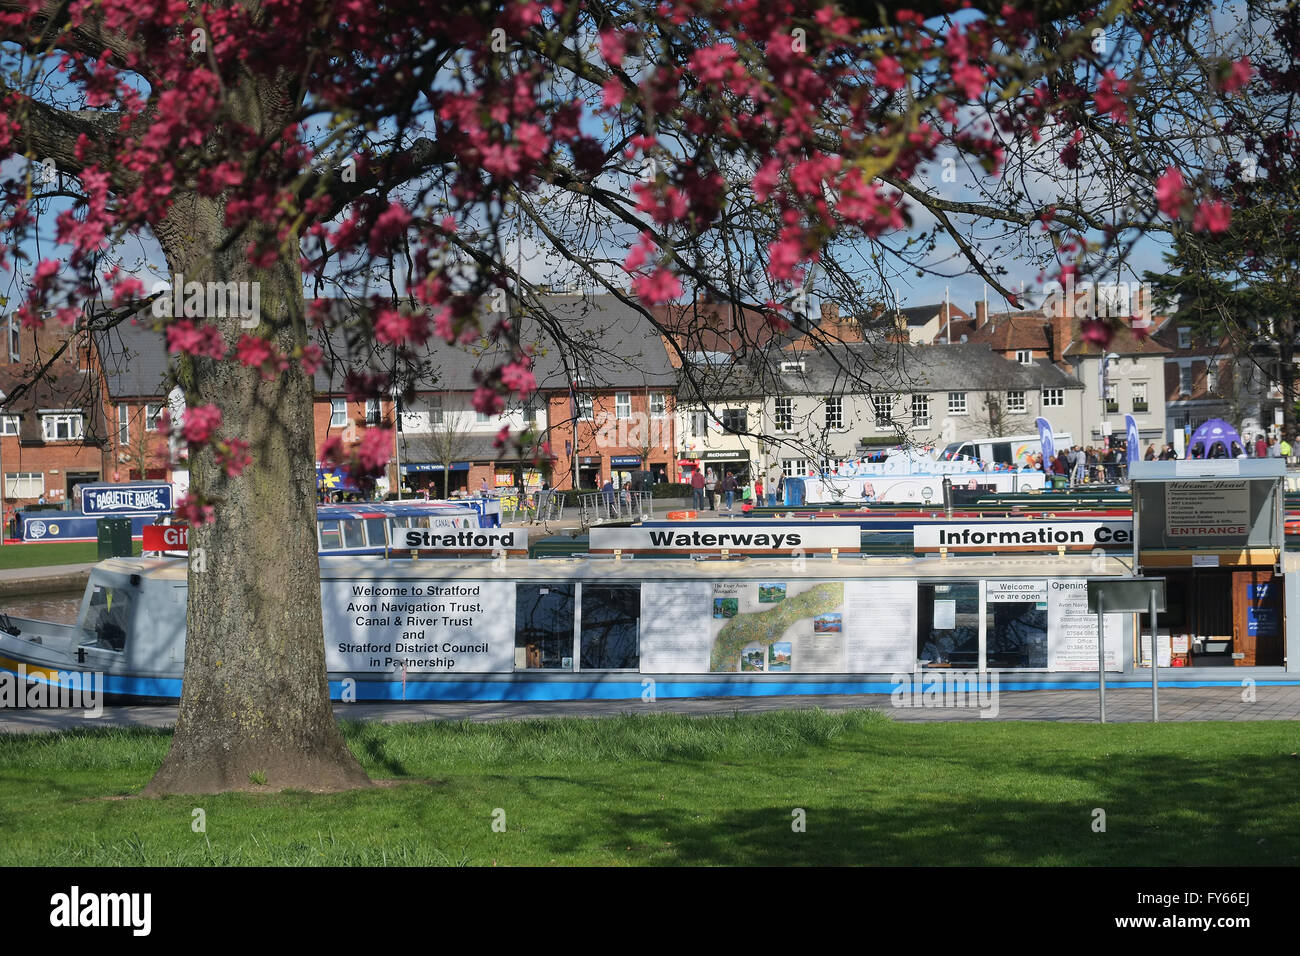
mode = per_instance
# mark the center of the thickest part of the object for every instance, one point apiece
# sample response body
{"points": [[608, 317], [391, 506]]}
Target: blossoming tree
{"points": [[399, 153]]}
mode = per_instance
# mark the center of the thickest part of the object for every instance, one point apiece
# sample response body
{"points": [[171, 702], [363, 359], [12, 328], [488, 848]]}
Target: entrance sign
{"points": [[1207, 508], [137, 498], [1186, 516]]}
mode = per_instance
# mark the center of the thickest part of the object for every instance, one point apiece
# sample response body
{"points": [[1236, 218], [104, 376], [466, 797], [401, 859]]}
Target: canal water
{"points": [[61, 607]]}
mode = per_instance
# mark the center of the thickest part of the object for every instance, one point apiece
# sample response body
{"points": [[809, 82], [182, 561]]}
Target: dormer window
{"points": [[792, 366], [61, 426], [1025, 356]]}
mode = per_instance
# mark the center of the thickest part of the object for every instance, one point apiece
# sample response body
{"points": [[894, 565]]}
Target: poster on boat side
{"points": [[777, 626], [439, 627]]}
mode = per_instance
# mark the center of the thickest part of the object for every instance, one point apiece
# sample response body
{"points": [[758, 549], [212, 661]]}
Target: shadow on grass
{"points": [[1158, 811]]}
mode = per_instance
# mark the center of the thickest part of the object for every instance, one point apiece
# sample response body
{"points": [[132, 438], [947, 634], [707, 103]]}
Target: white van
{"points": [[1006, 450]]}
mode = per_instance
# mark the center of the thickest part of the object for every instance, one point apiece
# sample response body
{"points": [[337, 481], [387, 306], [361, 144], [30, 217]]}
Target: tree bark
{"points": [[255, 708]]}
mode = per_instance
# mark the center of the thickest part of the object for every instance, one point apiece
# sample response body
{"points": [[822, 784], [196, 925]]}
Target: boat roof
{"points": [[608, 569]]}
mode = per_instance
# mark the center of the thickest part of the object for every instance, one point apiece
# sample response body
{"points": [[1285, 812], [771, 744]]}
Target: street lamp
{"points": [[1103, 384]]}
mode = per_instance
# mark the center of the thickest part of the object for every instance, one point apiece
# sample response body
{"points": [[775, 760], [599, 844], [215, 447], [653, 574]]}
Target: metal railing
{"points": [[614, 506]]}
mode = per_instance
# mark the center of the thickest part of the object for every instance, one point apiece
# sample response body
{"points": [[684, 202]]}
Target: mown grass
{"points": [[41, 554], [689, 790]]}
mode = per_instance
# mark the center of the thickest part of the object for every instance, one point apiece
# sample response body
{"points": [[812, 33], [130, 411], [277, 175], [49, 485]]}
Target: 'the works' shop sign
{"points": [[141, 499]]}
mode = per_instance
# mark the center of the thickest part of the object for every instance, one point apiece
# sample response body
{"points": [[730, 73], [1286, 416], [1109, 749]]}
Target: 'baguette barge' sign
{"points": [[141, 499], [1038, 536]]}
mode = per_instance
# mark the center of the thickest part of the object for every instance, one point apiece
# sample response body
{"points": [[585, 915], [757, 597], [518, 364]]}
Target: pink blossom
{"points": [[487, 401], [660, 286], [312, 358], [253, 351], [1110, 97], [331, 450], [388, 228], [518, 377], [612, 93], [502, 437], [612, 47], [637, 257], [200, 423], [233, 457], [126, 290], [970, 80], [889, 74], [46, 270], [785, 254], [1095, 330], [1238, 75], [392, 327], [375, 449], [767, 178], [1213, 216], [1171, 192], [192, 509]]}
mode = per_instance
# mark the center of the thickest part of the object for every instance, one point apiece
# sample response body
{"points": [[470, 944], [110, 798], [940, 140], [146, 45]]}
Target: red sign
{"points": [[163, 537]]}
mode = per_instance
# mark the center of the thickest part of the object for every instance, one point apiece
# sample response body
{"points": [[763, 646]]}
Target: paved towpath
{"points": [[1123, 705]]}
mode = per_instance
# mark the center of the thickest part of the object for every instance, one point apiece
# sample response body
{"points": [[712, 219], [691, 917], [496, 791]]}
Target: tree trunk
{"points": [[255, 708]]}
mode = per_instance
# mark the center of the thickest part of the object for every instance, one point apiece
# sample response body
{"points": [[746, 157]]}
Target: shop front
{"points": [[734, 460], [1214, 530], [589, 471], [429, 476]]}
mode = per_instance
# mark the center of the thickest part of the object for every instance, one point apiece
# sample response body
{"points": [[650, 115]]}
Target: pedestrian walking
{"points": [[711, 487], [697, 489], [729, 487]]}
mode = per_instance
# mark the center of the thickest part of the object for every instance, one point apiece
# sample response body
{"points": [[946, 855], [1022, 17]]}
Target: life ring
{"points": [[680, 516]]}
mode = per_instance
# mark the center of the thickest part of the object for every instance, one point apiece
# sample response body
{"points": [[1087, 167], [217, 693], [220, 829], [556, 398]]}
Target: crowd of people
{"points": [[710, 492]]}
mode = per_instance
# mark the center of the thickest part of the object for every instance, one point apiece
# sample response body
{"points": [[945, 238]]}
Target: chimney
{"points": [[1062, 328], [981, 314], [830, 313]]}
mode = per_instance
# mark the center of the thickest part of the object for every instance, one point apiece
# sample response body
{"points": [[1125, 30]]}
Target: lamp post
{"points": [[1103, 384]]}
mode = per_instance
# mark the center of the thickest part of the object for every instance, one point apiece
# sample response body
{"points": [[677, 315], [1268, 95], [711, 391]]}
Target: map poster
{"points": [[777, 627], [1072, 629], [450, 627], [675, 634], [882, 627]]}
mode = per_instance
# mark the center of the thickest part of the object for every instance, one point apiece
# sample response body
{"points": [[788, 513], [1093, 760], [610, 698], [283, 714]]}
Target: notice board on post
{"points": [[1208, 512]]}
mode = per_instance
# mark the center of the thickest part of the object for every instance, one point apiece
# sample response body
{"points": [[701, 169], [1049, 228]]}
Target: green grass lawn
{"points": [[683, 790], [43, 555]]}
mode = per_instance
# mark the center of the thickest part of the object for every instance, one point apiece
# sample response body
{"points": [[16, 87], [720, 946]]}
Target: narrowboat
{"points": [[600, 627]]}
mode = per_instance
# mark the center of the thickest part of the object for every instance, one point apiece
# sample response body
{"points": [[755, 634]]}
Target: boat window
{"points": [[354, 534], [375, 532], [947, 625], [109, 617], [330, 538], [611, 619], [544, 626], [1002, 453]]}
